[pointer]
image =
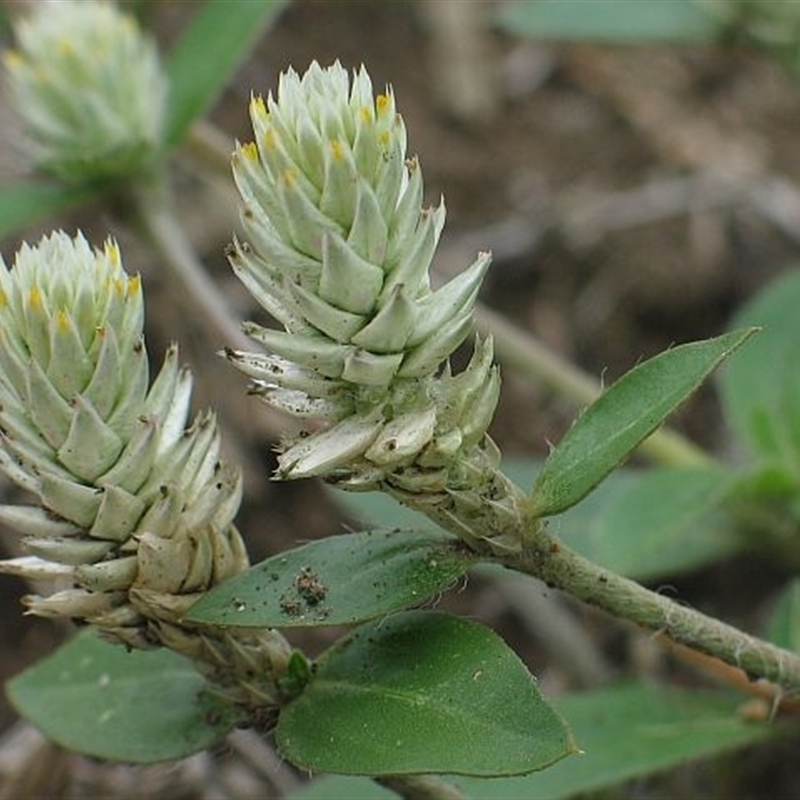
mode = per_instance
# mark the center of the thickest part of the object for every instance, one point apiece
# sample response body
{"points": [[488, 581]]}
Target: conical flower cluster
{"points": [[339, 254], [133, 510], [89, 88]]}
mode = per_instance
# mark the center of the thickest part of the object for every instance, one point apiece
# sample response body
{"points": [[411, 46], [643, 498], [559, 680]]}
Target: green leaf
{"points": [[27, 203], [783, 628], [100, 700], [208, 53], [625, 732], [625, 21], [338, 580], [422, 692], [760, 388], [626, 414], [632, 730], [655, 523]]}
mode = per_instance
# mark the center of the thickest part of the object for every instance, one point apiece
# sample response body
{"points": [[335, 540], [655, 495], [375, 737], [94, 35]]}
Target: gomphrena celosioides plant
{"points": [[133, 509], [89, 88], [338, 251]]}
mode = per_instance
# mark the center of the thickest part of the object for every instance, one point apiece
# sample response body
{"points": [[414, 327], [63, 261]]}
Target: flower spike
{"points": [[340, 254]]}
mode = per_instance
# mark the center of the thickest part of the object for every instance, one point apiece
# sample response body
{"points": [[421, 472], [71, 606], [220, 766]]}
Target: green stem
{"points": [[156, 217], [502, 530], [561, 568]]}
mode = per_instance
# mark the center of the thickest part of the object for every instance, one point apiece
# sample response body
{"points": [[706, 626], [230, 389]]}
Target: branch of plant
{"points": [[769, 693], [547, 559], [501, 530]]}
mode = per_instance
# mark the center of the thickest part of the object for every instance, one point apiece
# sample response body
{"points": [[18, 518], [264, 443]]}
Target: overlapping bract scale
{"points": [[131, 505], [339, 252]]}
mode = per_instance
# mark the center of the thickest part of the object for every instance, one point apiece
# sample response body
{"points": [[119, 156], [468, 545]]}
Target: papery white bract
{"points": [[339, 253], [131, 505]]}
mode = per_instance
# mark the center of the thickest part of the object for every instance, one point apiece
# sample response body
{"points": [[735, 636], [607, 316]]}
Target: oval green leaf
{"points": [[760, 388], [100, 700], [338, 580], [625, 732], [422, 692], [209, 51], [626, 414], [628, 21]]}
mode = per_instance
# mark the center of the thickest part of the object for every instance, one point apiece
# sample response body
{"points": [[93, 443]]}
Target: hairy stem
{"points": [[561, 568], [502, 530]]}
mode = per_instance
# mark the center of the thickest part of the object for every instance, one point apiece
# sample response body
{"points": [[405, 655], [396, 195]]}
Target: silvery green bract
{"points": [[339, 250], [133, 511], [89, 88]]}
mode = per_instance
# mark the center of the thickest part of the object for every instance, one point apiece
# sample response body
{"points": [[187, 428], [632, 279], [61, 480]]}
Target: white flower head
{"points": [[131, 505], [339, 253], [89, 88]]}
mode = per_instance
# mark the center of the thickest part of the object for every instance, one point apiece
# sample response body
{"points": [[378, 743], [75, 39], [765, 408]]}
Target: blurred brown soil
{"points": [[633, 198]]}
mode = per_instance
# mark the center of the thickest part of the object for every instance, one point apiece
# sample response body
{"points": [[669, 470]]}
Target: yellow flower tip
{"points": [[134, 285], [3, 299], [249, 151], [112, 253], [63, 322], [366, 114], [119, 286], [383, 104], [35, 299], [385, 139], [258, 107], [270, 139], [289, 177], [337, 150]]}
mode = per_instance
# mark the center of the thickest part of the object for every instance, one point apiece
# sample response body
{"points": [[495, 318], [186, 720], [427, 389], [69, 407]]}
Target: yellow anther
{"points": [[383, 104], [337, 150], [289, 177], [258, 107], [385, 139], [63, 323], [134, 285], [249, 151], [270, 139], [112, 253], [366, 114], [35, 299], [119, 287]]}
